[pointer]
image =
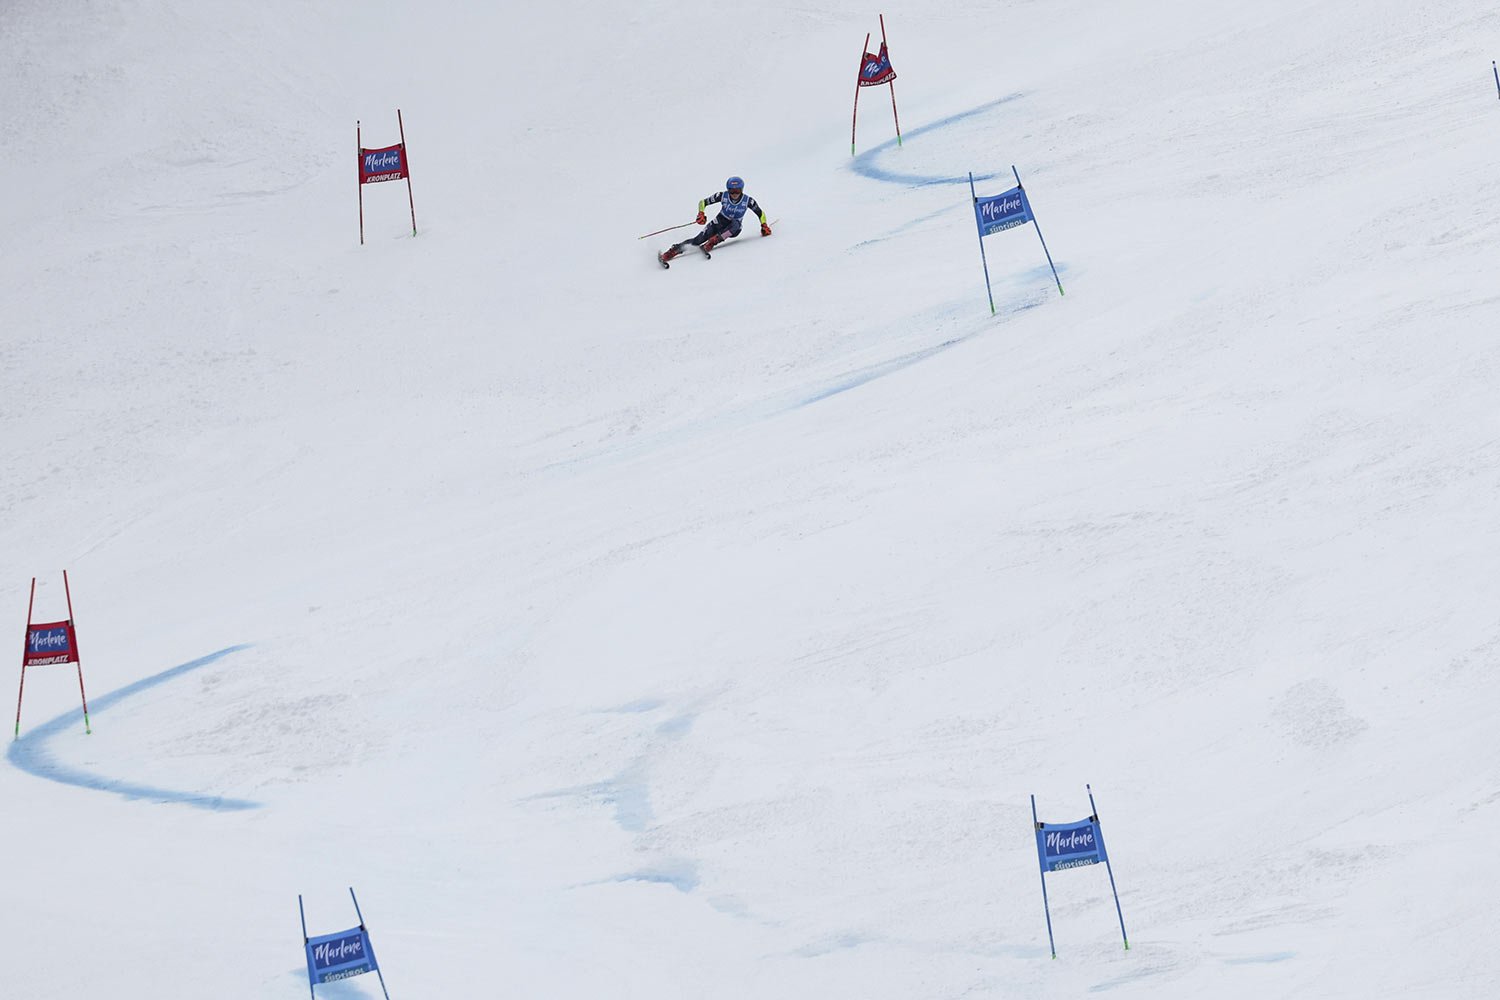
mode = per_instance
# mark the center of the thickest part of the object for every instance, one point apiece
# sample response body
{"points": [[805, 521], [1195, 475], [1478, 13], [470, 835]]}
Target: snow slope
{"points": [[625, 633]]}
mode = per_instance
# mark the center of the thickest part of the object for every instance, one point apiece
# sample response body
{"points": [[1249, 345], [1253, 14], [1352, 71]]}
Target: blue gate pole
{"points": [[1095, 810], [1046, 908], [1032, 213], [378, 974], [974, 201], [303, 914], [1497, 77]]}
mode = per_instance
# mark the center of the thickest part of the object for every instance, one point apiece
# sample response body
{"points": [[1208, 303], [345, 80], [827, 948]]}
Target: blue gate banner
{"points": [[331, 957], [1072, 845], [1069, 845], [48, 641], [1002, 211]]}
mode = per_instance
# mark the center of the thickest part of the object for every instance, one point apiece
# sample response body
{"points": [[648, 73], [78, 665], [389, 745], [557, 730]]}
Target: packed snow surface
{"points": [[629, 633]]}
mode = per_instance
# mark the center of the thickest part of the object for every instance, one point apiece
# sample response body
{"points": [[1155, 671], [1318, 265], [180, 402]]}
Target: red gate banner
{"points": [[51, 642], [875, 70], [385, 164]]}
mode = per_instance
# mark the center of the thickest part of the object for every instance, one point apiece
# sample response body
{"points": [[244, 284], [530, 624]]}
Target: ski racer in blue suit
{"points": [[733, 203]]}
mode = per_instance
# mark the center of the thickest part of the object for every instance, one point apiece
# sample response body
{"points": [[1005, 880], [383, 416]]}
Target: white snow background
{"points": [[702, 633]]}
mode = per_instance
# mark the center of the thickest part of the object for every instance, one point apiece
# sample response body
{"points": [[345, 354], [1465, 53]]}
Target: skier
{"points": [[733, 203]]}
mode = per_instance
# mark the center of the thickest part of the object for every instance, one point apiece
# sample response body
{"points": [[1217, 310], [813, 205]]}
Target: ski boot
{"points": [[709, 244], [667, 254]]}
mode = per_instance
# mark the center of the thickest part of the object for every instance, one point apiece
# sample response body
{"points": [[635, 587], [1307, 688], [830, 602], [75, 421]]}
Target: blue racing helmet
{"points": [[734, 185]]}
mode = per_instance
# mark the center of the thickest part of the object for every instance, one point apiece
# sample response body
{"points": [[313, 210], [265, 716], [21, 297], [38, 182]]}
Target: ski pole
{"points": [[668, 230]]}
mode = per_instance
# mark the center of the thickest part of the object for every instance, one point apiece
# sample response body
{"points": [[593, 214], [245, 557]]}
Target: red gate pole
{"points": [[892, 84], [854, 122], [360, 152], [406, 162], [77, 656], [22, 693]]}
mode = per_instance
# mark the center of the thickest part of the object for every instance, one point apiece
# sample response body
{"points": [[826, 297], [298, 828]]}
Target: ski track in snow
{"points": [[628, 793], [1278, 956], [866, 165], [788, 402], [33, 755]]}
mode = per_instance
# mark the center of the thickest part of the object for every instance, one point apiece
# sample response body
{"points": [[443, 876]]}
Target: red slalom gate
{"points": [[387, 163], [50, 643]]}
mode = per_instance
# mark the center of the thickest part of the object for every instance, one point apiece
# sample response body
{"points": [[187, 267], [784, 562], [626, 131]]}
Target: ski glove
{"points": [[765, 229], [702, 219]]}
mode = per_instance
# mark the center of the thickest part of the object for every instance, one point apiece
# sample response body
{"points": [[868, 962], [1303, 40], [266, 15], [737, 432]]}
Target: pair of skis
{"points": [[707, 255], [667, 264]]}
